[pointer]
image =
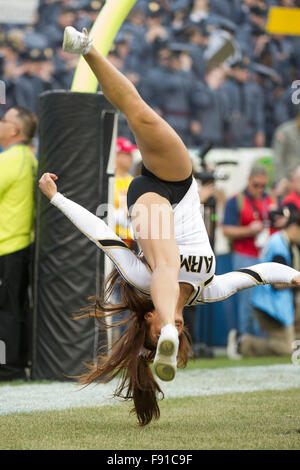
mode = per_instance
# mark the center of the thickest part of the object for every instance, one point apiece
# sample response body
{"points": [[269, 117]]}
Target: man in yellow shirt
{"points": [[18, 167], [124, 163]]}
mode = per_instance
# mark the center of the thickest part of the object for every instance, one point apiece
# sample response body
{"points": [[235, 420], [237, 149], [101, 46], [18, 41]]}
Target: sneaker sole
{"points": [[164, 371], [167, 347]]}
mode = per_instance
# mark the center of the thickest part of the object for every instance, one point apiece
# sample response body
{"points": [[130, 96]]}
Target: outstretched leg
{"points": [[225, 285], [163, 152]]}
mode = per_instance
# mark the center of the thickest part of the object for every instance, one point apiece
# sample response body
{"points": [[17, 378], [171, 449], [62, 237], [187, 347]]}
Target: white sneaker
{"points": [[76, 42], [165, 361], [232, 345]]}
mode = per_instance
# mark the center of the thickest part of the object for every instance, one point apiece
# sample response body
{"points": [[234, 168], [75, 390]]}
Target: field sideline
{"points": [[248, 404]]}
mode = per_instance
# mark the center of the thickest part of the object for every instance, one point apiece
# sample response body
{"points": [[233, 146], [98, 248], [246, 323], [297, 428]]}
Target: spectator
{"points": [[179, 14], [286, 145], [35, 78], [246, 111], [155, 28], [267, 81], [274, 306], [66, 16], [292, 200], [281, 50], [198, 38], [17, 178], [257, 108], [123, 178], [252, 28], [87, 13], [247, 225], [200, 11], [212, 109], [64, 68], [171, 89]]}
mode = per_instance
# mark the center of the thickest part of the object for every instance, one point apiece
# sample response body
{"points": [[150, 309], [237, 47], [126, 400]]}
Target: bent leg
{"points": [[163, 152]]}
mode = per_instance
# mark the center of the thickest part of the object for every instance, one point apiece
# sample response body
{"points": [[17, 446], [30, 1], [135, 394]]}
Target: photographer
{"points": [[274, 306], [247, 223]]}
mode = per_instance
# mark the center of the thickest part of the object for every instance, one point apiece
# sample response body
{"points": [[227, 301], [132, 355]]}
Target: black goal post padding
{"points": [[76, 132]]}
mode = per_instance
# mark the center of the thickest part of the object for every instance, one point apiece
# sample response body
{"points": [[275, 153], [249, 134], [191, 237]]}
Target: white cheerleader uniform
{"points": [[197, 258]]}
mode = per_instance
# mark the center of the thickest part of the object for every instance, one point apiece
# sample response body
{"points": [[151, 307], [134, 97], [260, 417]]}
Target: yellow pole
{"points": [[103, 32]]}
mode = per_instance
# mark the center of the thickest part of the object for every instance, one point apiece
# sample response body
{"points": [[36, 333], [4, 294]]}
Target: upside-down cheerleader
{"points": [[177, 268]]}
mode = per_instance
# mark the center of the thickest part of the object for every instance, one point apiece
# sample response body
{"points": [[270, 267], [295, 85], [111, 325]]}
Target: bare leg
{"points": [[163, 152], [161, 251]]}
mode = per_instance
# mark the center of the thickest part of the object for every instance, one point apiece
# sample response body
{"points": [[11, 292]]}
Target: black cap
{"points": [[258, 11], [180, 5], [69, 8], [257, 30], [91, 5], [33, 40], [179, 47], [38, 55], [242, 63], [154, 9], [190, 27], [222, 23], [227, 25], [120, 38]]}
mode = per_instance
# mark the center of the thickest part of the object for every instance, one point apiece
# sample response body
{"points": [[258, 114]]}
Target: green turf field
{"points": [[257, 420], [268, 419]]}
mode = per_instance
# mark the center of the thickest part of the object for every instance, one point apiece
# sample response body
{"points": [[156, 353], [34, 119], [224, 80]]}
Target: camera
{"points": [[207, 176], [273, 215]]}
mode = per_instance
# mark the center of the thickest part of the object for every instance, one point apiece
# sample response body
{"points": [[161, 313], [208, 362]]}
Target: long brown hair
{"points": [[131, 355]]}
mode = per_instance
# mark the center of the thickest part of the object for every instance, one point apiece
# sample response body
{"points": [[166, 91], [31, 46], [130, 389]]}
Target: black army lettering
{"points": [[194, 264]]}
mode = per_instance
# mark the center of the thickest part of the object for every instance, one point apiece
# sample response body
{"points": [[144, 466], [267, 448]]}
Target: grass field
{"points": [[266, 419]]}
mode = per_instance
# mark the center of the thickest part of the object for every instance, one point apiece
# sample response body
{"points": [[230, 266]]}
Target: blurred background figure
{"points": [[212, 110], [18, 167], [275, 307], [292, 199], [123, 178], [246, 107], [286, 145], [248, 224], [171, 90], [37, 77]]}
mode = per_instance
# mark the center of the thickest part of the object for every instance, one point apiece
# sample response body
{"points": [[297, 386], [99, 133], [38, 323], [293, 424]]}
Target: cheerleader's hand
{"points": [[47, 184]]}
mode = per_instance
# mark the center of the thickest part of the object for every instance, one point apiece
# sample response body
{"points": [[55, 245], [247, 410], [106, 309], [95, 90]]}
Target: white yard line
{"points": [[199, 382]]}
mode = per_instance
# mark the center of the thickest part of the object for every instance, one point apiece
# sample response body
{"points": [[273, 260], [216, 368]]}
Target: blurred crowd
{"points": [[168, 50]]}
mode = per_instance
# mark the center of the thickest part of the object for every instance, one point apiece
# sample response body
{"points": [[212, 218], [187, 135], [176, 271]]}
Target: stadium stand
{"points": [[167, 48]]}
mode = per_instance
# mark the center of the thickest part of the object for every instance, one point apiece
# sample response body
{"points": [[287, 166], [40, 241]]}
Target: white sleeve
{"points": [[128, 264], [225, 285]]}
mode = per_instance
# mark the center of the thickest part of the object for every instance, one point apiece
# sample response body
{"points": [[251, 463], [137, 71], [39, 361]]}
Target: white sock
{"points": [[169, 329]]}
